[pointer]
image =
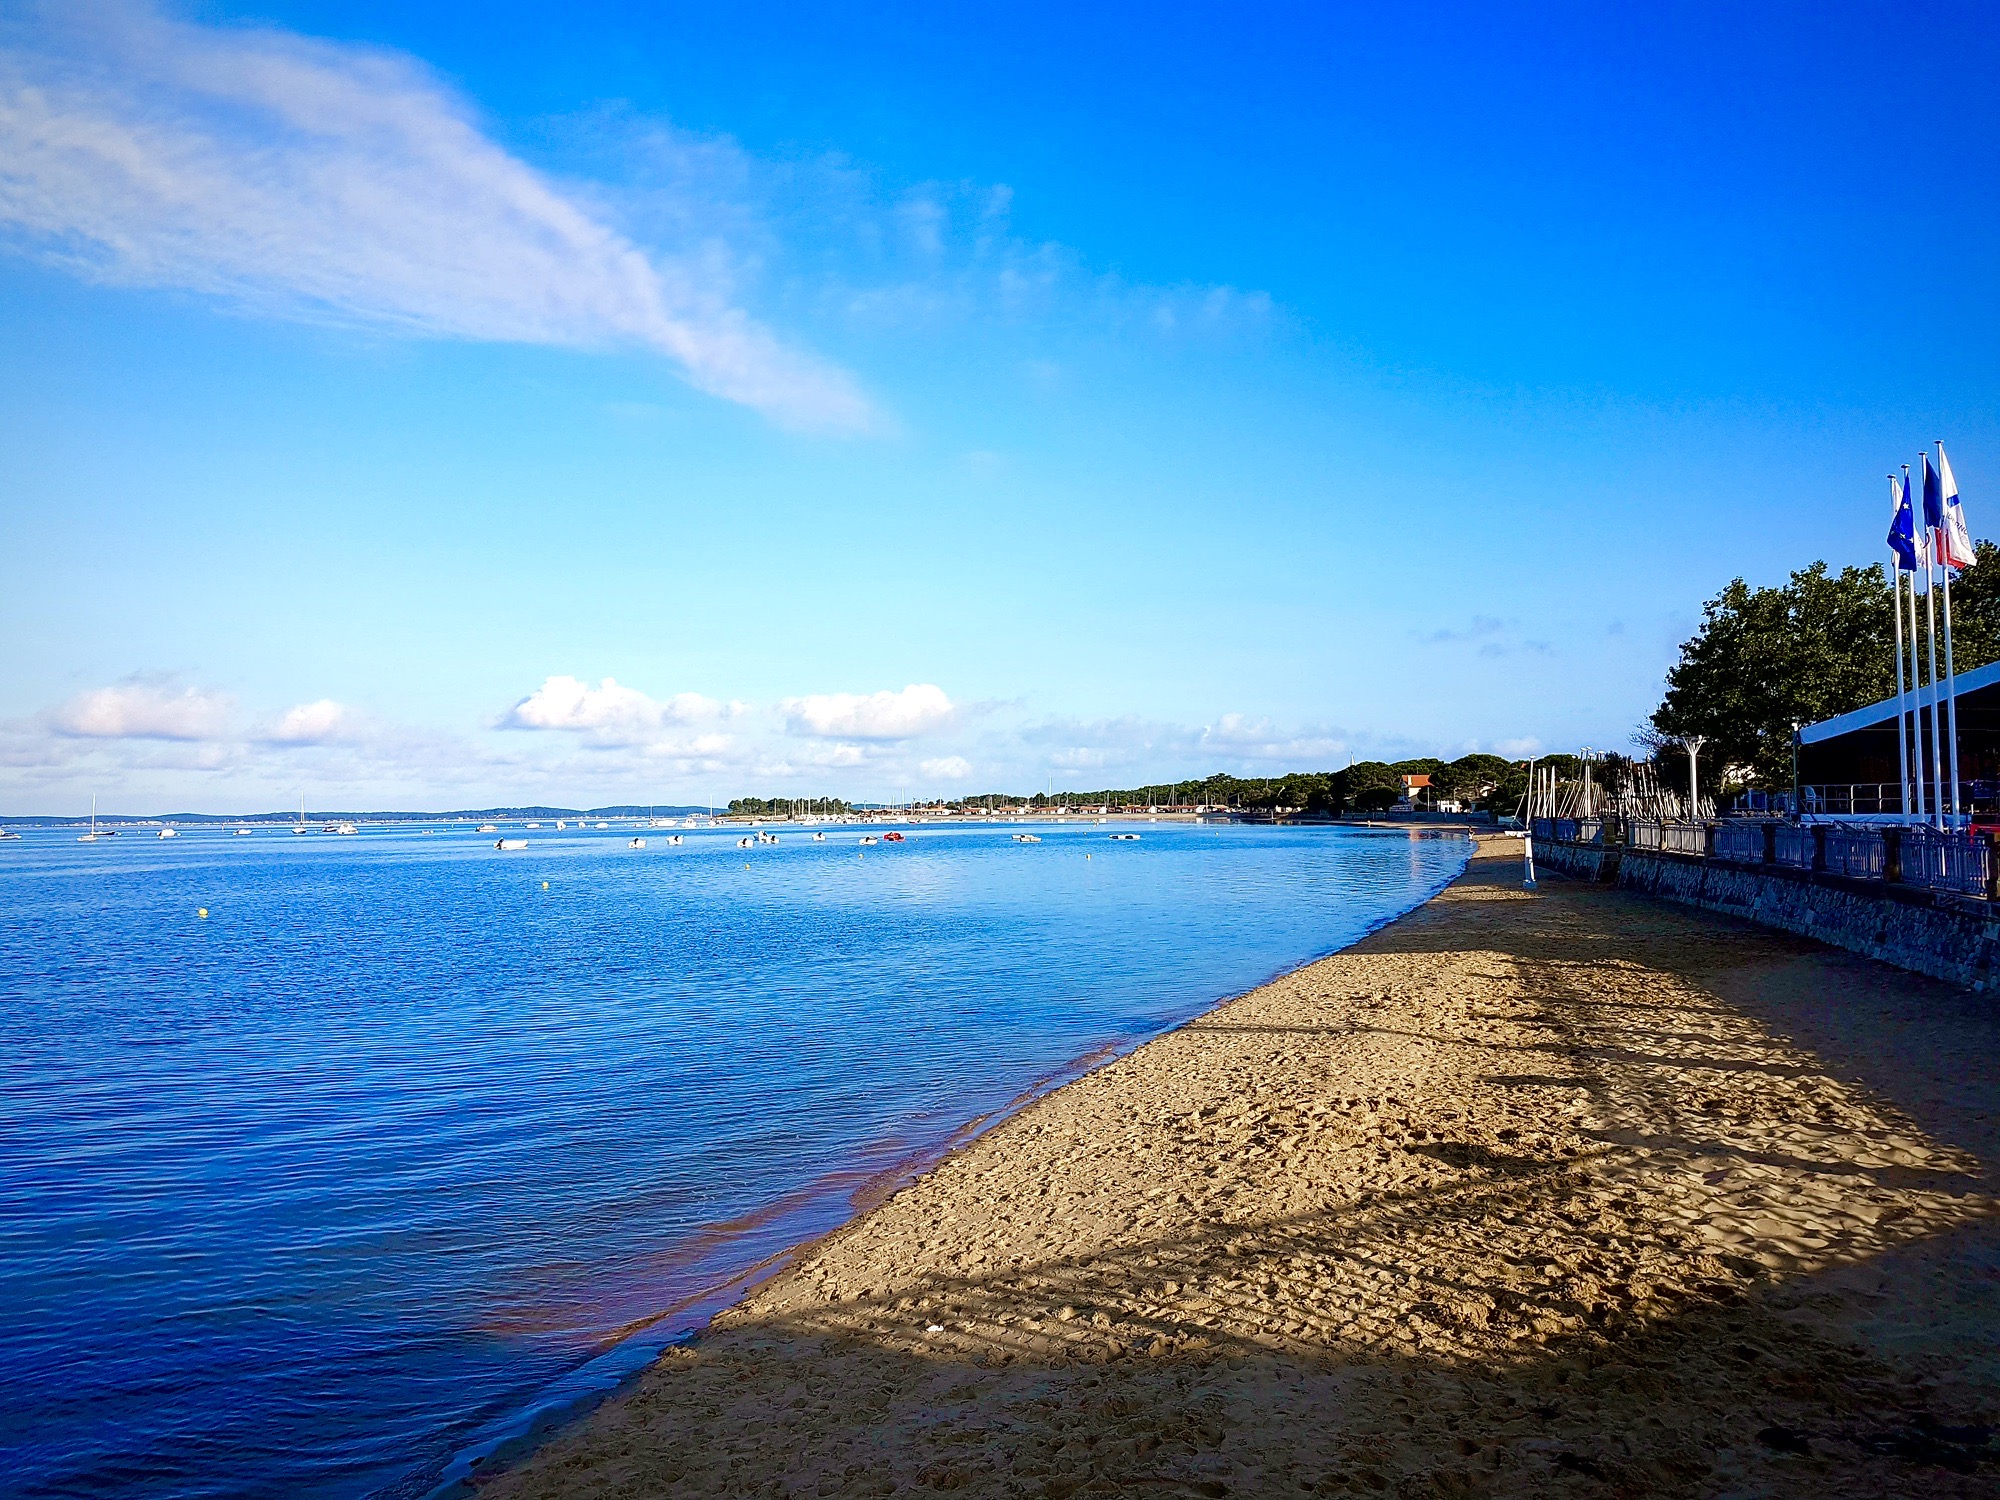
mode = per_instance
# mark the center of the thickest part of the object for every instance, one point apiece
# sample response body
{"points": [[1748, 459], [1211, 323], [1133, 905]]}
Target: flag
{"points": [[1954, 542], [1902, 526]]}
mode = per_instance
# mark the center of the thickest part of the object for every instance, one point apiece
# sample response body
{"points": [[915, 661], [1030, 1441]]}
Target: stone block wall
{"points": [[1949, 937]]}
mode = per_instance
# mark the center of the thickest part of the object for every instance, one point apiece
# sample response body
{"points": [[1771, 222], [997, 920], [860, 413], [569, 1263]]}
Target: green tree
{"points": [[1767, 659]]}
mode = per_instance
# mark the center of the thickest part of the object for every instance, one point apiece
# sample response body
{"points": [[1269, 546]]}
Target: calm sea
{"points": [[329, 1191]]}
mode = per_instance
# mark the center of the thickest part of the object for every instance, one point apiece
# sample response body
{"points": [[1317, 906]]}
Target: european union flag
{"points": [[1902, 527]]}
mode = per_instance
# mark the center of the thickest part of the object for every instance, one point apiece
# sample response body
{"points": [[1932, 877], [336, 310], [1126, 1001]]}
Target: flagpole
{"points": [[1930, 629], [1918, 761], [1902, 705], [1950, 676]]}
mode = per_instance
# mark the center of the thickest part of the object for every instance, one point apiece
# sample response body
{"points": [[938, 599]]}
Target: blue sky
{"points": [[640, 402]]}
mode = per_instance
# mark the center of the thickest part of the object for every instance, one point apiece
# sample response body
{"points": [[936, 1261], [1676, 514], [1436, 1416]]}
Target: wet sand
{"points": [[1554, 1193]]}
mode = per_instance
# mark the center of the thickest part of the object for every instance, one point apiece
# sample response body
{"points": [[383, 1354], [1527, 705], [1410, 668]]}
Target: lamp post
{"points": [[1694, 742]]}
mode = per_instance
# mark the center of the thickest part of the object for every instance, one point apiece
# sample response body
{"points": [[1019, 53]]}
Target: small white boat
{"points": [[90, 837], [869, 838], [241, 833], [8, 833], [300, 826], [603, 825], [767, 838], [487, 828], [1027, 838], [511, 844], [168, 833], [673, 838], [537, 825], [1125, 838], [345, 828], [746, 842], [636, 844], [560, 825], [819, 838]]}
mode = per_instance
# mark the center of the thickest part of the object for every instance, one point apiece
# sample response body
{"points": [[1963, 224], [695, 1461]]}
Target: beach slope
{"points": [[1562, 1192]]}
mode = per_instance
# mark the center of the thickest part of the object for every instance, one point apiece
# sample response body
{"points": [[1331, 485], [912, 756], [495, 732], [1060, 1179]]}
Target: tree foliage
{"points": [[1768, 659]]}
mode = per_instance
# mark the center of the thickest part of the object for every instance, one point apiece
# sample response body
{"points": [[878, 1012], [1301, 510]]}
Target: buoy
{"points": [[202, 912], [545, 885]]}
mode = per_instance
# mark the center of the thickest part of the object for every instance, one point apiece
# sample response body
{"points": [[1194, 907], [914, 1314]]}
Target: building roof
{"points": [[1885, 711], [1413, 782]]}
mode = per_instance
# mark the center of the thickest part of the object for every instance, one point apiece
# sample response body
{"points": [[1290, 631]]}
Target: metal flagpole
{"points": [[1917, 707], [1917, 679], [1950, 676], [1902, 705], [1937, 736]]}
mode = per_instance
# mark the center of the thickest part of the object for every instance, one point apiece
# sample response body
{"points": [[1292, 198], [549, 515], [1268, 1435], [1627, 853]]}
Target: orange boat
{"points": [[892, 838]]}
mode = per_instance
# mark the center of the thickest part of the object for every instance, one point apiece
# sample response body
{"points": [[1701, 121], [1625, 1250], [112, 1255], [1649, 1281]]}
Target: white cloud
{"points": [[917, 709], [1520, 749], [316, 723], [947, 768], [610, 712], [322, 180], [146, 709]]}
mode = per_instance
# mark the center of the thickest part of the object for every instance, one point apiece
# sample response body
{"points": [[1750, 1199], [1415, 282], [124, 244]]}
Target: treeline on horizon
{"points": [[1487, 781]]}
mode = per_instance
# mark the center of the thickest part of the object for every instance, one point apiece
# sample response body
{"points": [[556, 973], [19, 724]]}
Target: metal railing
{"points": [[1740, 843], [1947, 861], [1858, 853], [1793, 847]]}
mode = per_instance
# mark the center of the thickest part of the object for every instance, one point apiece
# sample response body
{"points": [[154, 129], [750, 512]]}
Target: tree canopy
{"points": [[1768, 659]]}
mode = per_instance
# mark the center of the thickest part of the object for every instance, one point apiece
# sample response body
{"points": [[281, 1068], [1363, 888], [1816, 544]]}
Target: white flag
{"points": [[1954, 541]]}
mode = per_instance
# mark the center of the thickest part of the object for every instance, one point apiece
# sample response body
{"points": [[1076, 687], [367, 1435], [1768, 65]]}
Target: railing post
{"points": [[1770, 843], [1708, 840], [1985, 836], [1819, 846], [1892, 855]]}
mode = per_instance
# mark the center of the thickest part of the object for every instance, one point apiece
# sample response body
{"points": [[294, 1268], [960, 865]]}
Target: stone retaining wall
{"points": [[1949, 937]]}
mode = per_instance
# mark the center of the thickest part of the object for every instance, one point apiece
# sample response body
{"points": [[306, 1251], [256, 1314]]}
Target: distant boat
{"points": [[674, 838], [819, 838], [1026, 838], [537, 825], [345, 828], [603, 825], [1125, 838], [511, 844], [168, 833], [869, 838], [746, 842], [8, 833], [636, 844], [90, 837], [892, 838], [487, 828], [241, 833], [560, 825], [300, 826], [767, 838]]}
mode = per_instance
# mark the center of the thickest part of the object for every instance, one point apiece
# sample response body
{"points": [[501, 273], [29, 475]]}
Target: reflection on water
{"points": [[299, 1198]]}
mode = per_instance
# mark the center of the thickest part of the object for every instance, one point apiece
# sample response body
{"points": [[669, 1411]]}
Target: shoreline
{"points": [[1490, 1201], [510, 1439]]}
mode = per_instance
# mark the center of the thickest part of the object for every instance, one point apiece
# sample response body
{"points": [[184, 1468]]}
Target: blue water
{"points": [[307, 1197]]}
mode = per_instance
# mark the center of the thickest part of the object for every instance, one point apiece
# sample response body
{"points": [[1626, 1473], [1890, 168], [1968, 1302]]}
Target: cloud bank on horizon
{"points": [[328, 181], [568, 740]]}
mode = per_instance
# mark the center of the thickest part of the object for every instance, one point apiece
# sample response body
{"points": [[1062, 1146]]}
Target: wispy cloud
{"points": [[918, 709], [321, 722], [611, 713], [321, 180], [1493, 638], [145, 707]]}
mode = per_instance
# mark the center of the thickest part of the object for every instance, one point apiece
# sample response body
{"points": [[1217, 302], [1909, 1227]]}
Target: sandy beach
{"points": [[1549, 1193]]}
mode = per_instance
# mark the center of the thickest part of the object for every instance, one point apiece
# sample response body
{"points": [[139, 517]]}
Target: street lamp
{"points": [[1694, 742]]}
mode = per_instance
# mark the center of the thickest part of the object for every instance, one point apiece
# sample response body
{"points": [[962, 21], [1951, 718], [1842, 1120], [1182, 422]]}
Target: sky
{"points": [[473, 404]]}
